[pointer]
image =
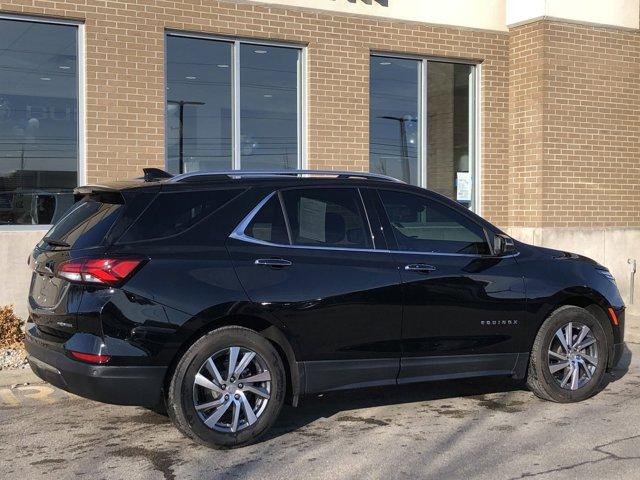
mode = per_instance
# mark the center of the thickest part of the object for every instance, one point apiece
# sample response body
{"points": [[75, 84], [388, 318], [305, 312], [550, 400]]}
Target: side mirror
{"points": [[503, 245]]}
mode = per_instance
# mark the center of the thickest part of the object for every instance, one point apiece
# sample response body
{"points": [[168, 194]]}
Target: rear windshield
{"points": [[173, 213], [86, 223]]}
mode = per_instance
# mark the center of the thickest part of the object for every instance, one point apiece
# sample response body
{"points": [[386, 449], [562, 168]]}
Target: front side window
{"points": [[232, 105], [326, 217], [422, 122], [38, 121], [423, 225]]}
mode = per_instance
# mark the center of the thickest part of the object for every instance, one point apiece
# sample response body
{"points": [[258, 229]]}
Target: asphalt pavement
{"points": [[484, 429]]}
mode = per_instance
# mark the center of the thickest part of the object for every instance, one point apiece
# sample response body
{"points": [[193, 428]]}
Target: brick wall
{"points": [[574, 126], [125, 77], [526, 73]]}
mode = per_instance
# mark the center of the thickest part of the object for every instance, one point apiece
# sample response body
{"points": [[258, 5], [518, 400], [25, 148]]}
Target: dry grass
{"points": [[11, 334]]}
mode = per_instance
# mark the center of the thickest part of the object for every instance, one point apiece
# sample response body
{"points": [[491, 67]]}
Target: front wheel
{"points": [[569, 356], [227, 389]]}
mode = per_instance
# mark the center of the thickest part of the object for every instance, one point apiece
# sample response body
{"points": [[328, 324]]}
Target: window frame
{"points": [[81, 162], [474, 117], [236, 132], [429, 197], [239, 233]]}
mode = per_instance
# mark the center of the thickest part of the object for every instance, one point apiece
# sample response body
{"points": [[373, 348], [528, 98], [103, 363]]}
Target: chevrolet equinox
{"points": [[219, 296]]}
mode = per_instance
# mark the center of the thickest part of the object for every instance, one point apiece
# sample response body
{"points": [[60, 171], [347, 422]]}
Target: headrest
{"points": [[335, 228]]}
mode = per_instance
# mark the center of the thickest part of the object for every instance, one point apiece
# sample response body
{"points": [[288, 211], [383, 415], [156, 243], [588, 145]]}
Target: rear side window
{"points": [[327, 217], [269, 225], [423, 225], [173, 213], [86, 223]]}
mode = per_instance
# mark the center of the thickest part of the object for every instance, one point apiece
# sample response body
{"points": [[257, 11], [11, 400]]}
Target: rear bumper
{"points": [[120, 385]]}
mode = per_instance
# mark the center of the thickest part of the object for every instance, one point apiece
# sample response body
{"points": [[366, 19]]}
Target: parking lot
{"points": [[464, 429]]}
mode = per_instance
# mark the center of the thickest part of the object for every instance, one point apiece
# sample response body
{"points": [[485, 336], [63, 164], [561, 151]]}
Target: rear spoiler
{"points": [[87, 189], [106, 193], [150, 175]]}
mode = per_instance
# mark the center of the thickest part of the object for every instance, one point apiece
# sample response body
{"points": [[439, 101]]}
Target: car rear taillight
{"points": [[90, 357], [98, 271]]}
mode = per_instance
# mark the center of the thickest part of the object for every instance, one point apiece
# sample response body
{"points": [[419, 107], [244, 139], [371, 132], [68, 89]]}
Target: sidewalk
{"points": [[9, 378], [632, 326]]}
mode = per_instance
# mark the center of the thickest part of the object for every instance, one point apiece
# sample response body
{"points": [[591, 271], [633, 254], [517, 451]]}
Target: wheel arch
{"points": [[293, 368], [589, 300]]}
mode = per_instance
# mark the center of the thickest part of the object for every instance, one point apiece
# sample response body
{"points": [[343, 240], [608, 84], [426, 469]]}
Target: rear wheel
{"points": [[569, 356], [228, 388]]}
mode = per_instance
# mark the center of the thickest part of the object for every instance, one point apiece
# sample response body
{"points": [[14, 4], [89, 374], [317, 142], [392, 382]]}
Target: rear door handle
{"points": [[419, 267], [273, 262]]}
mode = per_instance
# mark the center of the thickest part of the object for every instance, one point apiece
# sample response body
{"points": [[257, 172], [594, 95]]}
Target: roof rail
{"points": [[277, 173]]}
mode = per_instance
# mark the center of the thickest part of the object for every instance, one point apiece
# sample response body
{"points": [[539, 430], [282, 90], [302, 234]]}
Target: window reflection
{"points": [[448, 165], [394, 127], [201, 85], [394, 140], [198, 104], [38, 121], [269, 107]]}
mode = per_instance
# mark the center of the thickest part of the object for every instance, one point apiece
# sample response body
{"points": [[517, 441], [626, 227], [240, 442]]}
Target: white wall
{"points": [[611, 247], [15, 275], [482, 14], [618, 13]]}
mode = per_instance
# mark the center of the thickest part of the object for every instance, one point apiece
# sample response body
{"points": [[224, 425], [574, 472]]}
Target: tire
{"points": [[548, 353], [186, 389]]}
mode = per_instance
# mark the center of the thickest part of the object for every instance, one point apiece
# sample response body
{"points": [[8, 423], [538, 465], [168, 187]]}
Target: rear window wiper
{"points": [[55, 243]]}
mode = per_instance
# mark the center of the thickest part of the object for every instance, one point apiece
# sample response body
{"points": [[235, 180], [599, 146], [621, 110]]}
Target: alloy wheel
{"points": [[573, 355], [232, 389]]}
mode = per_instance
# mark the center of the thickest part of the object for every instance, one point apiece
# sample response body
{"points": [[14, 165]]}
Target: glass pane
{"points": [[198, 104], [87, 222], [38, 121], [173, 213], [448, 164], [393, 118], [421, 225], [269, 107], [269, 225], [326, 217]]}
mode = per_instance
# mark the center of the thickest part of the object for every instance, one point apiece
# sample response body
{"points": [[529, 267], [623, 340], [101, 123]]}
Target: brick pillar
{"points": [[526, 91], [575, 140]]}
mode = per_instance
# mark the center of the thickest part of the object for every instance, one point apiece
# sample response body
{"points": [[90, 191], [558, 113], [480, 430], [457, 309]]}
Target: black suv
{"points": [[223, 295]]}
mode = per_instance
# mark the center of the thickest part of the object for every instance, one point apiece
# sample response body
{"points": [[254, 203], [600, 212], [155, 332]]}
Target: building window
{"points": [[422, 118], [232, 105], [38, 120]]}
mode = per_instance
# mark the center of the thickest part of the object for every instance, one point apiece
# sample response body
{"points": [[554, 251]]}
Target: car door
{"points": [[462, 304], [308, 257]]}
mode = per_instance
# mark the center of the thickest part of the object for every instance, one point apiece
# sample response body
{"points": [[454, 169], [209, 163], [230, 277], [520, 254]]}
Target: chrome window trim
{"points": [[239, 234]]}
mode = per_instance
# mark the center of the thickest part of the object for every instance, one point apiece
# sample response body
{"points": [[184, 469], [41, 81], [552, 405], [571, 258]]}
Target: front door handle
{"points": [[419, 267], [273, 262]]}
